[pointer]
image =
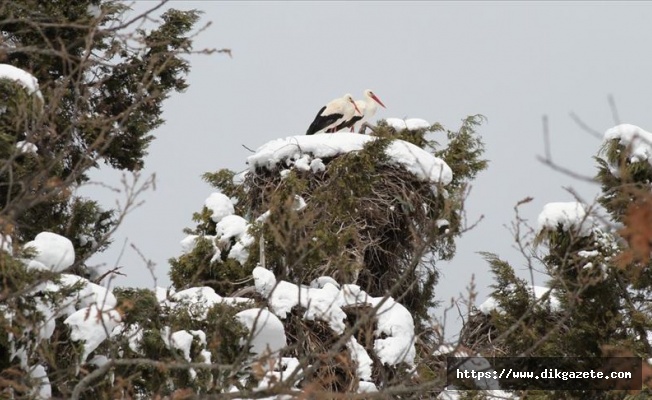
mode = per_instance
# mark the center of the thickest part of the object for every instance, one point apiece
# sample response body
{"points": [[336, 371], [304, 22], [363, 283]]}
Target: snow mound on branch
{"points": [[52, 252], [92, 325], [21, 77], [182, 340], [232, 231], [26, 147], [200, 299], [394, 341], [411, 124], [220, 205], [267, 334], [632, 136], [537, 292], [572, 216], [43, 389], [414, 159]]}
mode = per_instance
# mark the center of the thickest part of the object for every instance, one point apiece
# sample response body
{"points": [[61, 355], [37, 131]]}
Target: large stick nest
{"points": [[366, 222]]}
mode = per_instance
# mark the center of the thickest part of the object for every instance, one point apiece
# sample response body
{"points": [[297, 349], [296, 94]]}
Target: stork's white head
{"points": [[370, 94]]}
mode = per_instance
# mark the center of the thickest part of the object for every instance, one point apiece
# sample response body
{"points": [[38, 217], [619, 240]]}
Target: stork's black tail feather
{"points": [[322, 121]]}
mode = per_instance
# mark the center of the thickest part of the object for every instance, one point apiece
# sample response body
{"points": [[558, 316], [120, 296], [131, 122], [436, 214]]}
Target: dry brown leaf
{"points": [[638, 234]]}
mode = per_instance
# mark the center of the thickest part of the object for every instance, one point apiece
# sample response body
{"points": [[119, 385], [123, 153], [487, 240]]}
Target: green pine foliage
{"points": [[599, 280], [103, 93]]}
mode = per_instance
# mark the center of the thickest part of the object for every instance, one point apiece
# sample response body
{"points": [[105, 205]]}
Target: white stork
{"points": [[333, 114], [367, 106]]}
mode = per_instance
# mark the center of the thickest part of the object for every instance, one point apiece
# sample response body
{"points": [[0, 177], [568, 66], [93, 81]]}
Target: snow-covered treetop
{"points": [[536, 291], [417, 161], [22, 77], [570, 215], [639, 139]]}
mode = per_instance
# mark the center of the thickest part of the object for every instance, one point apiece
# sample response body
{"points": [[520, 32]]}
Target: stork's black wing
{"points": [[322, 121]]}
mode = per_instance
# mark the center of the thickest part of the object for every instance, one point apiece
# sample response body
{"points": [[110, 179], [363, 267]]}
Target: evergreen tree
{"points": [[80, 85], [599, 277], [312, 274]]}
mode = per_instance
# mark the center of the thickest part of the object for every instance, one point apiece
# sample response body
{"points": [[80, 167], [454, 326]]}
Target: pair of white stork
{"points": [[344, 113]]}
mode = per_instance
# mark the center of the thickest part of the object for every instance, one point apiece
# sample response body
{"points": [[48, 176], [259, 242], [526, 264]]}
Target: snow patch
{"points": [[394, 341], [572, 216], [638, 139], [419, 162], [199, 300], [220, 206], [411, 124], [267, 334], [537, 292], [22, 77], [26, 147], [92, 325], [54, 252]]}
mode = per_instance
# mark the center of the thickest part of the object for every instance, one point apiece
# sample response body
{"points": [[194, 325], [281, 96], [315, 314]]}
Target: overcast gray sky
{"points": [[441, 61]]}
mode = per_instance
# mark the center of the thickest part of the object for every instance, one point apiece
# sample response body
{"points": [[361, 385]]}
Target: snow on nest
{"points": [[22, 77], [395, 325], [52, 252], [411, 124], [639, 139], [536, 291], [266, 331], [570, 215], [414, 159]]}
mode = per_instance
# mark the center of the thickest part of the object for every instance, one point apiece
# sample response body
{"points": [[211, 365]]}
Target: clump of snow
{"points": [[395, 326], [303, 163], [92, 325], [638, 139], [188, 244], [53, 252], [82, 307], [279, 373], [43, 389], [571, 216], [5, 244], [367, 387], [414, 159], [537, 292], [26, 147], [587, 254], [134, 335], [94, 10], [182, 340], [234, 227], [23, 78], [267, 334], [232, 234], [200, 299], [363, 362], [299, 203], [322, 281], [411, 124], [317, 165], [220, 206]]}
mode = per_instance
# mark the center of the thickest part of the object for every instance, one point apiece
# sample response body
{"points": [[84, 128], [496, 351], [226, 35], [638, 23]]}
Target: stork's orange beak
{"points": [[373, 96], [356, 107]]}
